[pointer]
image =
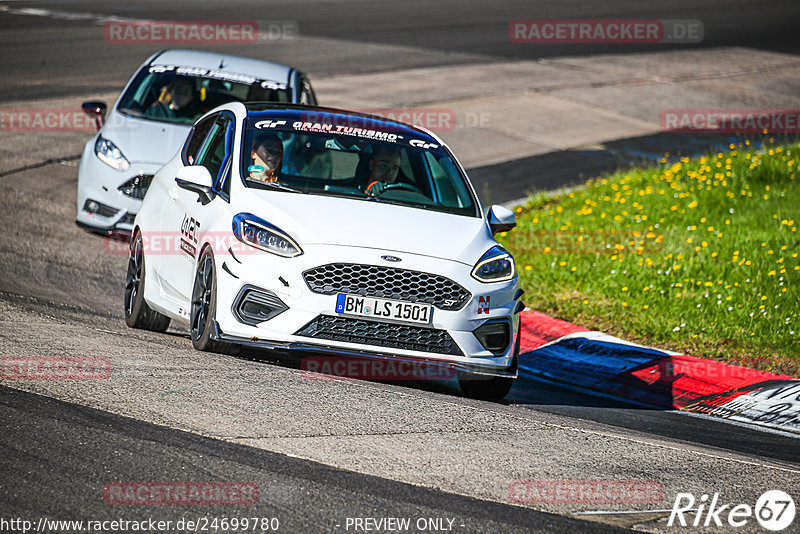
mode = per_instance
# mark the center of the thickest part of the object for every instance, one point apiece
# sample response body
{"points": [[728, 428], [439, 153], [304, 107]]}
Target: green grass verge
{"points": [[699, 256]]}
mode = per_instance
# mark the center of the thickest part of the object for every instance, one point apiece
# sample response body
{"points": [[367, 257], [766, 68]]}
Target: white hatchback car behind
{"points": [[153, 116]]}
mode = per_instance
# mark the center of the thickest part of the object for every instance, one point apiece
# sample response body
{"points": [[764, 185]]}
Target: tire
{"points": [[204, 307], [137, 313], [483, 387]]}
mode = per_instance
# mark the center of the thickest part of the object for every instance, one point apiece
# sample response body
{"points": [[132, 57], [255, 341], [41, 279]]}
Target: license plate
{"points": [[407, 312]]}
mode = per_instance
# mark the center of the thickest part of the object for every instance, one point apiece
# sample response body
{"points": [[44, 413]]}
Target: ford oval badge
{"points": [[390, 258]]}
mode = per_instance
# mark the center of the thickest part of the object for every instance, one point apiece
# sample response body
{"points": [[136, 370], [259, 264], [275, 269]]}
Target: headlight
{"points": [[110, 154], [258, 233], [496, 265]]}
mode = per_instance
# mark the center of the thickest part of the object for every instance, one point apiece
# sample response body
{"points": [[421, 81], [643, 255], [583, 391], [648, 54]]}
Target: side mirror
{"points": [[197, 179], [501, 219], [96, 110]]}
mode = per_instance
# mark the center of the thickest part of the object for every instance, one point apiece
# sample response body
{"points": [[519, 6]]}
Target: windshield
{"points": [[355, 166], [170, 93]]}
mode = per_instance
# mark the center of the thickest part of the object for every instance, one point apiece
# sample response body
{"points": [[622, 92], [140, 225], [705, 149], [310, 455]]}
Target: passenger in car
{"points": [[267, 157]]}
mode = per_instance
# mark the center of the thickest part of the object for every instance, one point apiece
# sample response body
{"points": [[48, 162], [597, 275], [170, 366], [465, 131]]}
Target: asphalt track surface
{"points": [[344, 449], [304, 496]]}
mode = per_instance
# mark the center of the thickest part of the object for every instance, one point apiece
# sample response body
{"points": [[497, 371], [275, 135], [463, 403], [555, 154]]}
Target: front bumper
{"points": [[99, 183], [296, 347], [283, 277]]}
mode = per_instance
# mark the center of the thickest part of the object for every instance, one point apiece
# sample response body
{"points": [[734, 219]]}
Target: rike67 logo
{"points": [[774, 510]]}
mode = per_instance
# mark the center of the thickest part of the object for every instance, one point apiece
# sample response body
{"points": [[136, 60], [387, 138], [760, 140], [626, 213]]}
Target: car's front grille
{"points": [[396, 336], [127, 219], [137, 186], [387, 282]]}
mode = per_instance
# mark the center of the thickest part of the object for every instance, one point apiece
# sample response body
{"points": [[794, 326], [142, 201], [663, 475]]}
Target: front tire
{"points": [[204, 307], [137, 313], [483, 387]]}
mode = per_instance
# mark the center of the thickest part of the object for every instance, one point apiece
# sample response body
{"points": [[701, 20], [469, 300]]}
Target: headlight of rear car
{"points": [[260, 234], [496, 265], [110, 154]]}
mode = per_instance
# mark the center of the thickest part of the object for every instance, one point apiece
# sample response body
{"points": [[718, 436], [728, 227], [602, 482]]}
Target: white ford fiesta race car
{"points": [[152, 117], [330, 232]]}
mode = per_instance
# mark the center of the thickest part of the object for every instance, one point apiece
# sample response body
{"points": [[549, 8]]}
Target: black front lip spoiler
{"points": [[105, 231], [509, 372]]}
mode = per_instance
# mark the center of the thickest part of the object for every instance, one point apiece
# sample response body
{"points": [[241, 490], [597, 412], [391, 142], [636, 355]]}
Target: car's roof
{"points": [[312, 114], [265, 70]]}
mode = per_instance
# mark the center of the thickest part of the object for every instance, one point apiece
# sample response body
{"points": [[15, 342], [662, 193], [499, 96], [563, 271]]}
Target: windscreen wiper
{"points": [[131, 111], [276, 185]]}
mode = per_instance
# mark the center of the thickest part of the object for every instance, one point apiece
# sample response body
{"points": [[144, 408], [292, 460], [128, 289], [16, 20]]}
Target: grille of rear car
{"points": [[387, 282], [137, 186], [396, 336], [127, 219]]}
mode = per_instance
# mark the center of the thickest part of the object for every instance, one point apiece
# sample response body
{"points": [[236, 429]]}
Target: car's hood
{"points": [[144, 141], [316, 219]]}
